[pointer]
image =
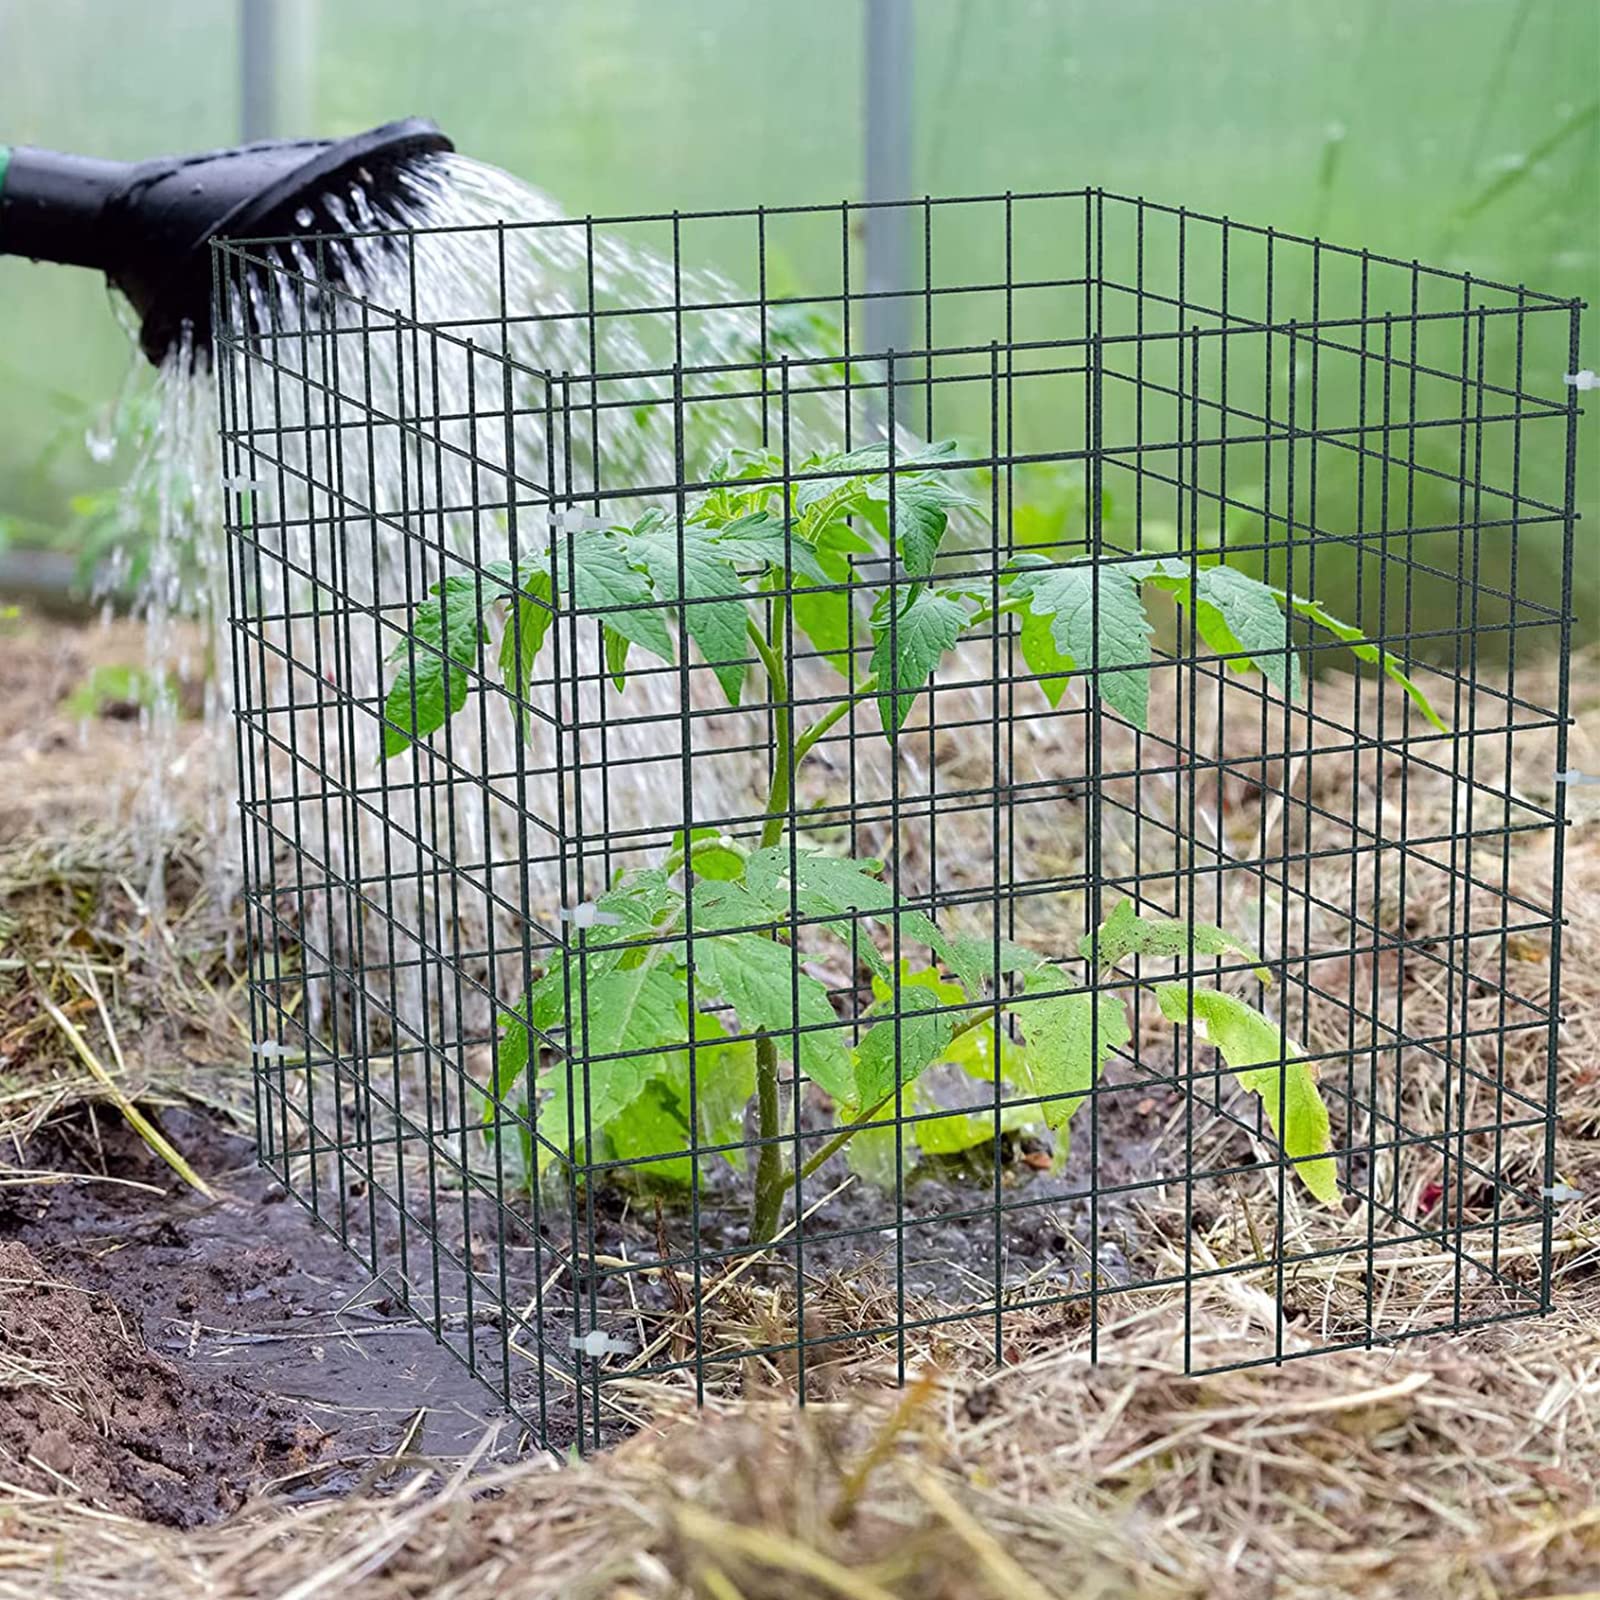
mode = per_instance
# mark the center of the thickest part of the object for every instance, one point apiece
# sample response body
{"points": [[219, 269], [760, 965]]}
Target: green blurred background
{"points": [[1464, 132]]}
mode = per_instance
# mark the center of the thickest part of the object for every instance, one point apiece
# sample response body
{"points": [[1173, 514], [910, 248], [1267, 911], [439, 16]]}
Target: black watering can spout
{"points": [[148, 225]]}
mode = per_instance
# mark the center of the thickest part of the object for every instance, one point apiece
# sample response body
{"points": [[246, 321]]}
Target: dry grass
{"points": [[1466, 1468], [1460, 1466]]}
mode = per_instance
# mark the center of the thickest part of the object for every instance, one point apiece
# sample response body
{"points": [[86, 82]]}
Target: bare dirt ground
{"points": [[201, 1396]]}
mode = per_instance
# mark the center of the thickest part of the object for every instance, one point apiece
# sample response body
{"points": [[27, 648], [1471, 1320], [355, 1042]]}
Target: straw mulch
{"points": [[1459, 1466]]}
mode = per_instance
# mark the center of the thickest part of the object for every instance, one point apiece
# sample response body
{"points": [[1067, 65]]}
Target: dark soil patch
{"points": [[265, 1355], [86, 1406], [200, 1349]]}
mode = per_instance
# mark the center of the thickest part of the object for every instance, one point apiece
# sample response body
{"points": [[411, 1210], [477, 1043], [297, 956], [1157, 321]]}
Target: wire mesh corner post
{"points": [[758, 848]]}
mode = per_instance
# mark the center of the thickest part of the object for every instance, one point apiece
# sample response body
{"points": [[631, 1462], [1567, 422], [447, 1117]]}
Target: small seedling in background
{"points": [[761, 566]]}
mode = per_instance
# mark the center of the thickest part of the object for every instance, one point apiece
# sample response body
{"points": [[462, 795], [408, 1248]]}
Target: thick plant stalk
{"points": [[771, 1180]]}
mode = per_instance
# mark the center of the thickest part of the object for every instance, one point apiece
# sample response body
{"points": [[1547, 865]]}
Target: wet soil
{"points": [[165, 1354]]}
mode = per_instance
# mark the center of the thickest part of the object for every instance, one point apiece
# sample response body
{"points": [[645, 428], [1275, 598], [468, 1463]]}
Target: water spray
{"points": [[148, 225]]}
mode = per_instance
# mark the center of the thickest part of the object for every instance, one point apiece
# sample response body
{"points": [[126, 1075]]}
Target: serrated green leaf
{"points": [[1069, 1038], [525, 632], [922, 507], [1098, 623], [915, 1041], [1237, 613], [910, 647], [443, 644], [758, 978], [851, 475], [596, 568], [1036, 636], [1265, 1063], [698, 569], [972, 959], [761, 539], [1364, 650], [821, 885], [641, 900], [631, 1015], [1126, 932]]}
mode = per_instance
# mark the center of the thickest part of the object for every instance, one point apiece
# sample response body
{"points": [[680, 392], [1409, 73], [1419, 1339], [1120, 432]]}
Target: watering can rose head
{"points": [[149, 225]]}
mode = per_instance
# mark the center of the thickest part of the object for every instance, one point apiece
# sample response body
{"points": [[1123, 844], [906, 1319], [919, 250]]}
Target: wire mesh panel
{"points": [[759, 849]]}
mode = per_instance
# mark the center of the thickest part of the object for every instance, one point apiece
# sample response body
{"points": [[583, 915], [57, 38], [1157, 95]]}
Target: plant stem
{"points": [[771, 1180], [782, 785], [846, 1134], [802, 745]]}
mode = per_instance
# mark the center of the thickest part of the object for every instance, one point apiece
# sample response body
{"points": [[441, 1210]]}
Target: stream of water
{"points": [[354, 510]]}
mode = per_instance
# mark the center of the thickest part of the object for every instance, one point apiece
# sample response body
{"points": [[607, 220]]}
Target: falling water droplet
{"points": [[305, 216]]}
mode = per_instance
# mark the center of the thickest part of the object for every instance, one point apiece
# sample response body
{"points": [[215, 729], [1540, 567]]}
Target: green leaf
{"points": [[922, 507], [758, 978], [952, 1130], [923, 1033], [1069, 1039], [1265, 1063], [1237, 613], [949, 1132], [718, 861], [641, 901], [443, 643], [1098, 623], [827, 618], [525, 632], [632, 1014], [827, 615], [956, 1131], [725, 1080], [617, 646], [851, 476], [1037, 639], [910, 647], [639, 904], [821, 885], [1364, 650], [652, 1133], [970, 957], [717, 619], [657, 1124], [603, 580], [973, 1052], [1126, 932], [761, 539], [1234, 614]]}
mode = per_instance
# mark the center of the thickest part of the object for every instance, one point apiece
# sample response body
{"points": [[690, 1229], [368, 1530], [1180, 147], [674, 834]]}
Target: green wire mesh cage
{"points": [[760, 845]]}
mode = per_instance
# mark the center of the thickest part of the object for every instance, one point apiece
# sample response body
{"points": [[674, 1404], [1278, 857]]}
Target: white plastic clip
{"points": [[597, 1342], [242, 481], [271, 1050], [580, 522], [1587, 379], [1560, 1193], [1577, 780], [586, 914]]}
